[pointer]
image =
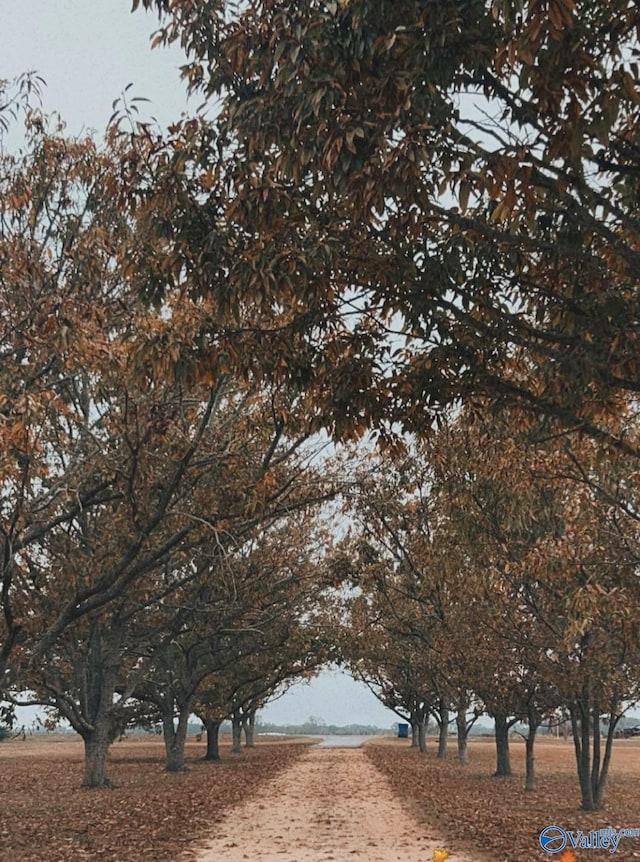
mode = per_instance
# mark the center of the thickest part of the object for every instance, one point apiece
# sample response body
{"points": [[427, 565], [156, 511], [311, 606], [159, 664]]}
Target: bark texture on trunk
{"points": [[422, 735], [249, 726], [102, 665], [503, 762], [534, 721], [236, 735], [463, 735], [592, 765], [530, 776], [212, 727], [443, 736], [96, 748], [175, 736]]}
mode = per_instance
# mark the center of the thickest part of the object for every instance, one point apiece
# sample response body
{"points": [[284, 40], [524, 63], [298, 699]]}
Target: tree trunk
{"points": [[530, 778], [503, 763], [236, 734], [463, 736], [96, 747], [422, 735], [593, 770], [443, 736], [248, 726], [102, 666], [414, 735], [606, 761], [175, 738], [534, 721], [581, 744], [212, 726]]}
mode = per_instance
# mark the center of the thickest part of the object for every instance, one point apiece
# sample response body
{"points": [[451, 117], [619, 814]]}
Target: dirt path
{"points": [[332, 804]]}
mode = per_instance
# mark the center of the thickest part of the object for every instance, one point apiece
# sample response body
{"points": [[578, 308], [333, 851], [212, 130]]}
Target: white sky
{"points": [[88, 51], [333, 696]]}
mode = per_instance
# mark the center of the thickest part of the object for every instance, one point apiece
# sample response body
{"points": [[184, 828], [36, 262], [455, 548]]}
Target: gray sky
{"points": [[333, 696], [88, 51]]}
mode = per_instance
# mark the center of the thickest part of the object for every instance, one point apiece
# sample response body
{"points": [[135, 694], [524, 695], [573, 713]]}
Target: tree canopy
{"points": [[415, 220], [425, 201]]}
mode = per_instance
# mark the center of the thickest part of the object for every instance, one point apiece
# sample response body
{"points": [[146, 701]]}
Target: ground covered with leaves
{"points": [[150, 815], [495, 816]]}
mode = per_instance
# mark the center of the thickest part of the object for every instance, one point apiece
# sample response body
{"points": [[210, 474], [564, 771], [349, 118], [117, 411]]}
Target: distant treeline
{"points": [[313, 727]]}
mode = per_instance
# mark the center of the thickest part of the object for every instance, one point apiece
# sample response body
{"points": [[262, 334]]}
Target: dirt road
{"points": [[332, 804]]}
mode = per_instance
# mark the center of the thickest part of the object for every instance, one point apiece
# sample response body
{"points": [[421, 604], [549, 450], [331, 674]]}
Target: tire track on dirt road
{"points": [[331, 805]]}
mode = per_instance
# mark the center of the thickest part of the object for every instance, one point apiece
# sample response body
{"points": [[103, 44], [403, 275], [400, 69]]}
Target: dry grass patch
{"points": [[150, 815], [495, 816]]}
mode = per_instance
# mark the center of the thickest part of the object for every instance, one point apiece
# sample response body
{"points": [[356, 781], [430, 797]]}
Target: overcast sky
{"points": [[88, 51]]}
